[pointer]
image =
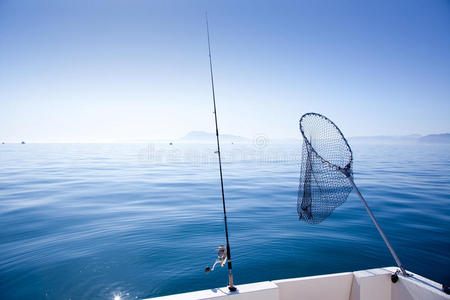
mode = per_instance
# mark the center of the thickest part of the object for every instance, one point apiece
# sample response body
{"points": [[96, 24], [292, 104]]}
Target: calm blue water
{"points": [[94, 220]]}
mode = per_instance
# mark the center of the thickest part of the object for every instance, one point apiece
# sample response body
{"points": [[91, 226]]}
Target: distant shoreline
{"points": [[207, 137]]}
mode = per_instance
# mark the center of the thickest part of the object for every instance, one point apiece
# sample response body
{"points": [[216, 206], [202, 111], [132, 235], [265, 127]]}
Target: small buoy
{"points": [[170, 143], [23, 143]]}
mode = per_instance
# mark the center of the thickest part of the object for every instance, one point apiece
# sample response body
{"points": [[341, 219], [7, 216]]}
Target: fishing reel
{"points": [[221, 259]]}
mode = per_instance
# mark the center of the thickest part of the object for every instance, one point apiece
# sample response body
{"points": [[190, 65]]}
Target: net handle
{"points": [[369, 211]]}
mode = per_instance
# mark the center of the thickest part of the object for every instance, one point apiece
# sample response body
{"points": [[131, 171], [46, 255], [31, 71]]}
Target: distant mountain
{"points": [[443, 138], [411, 138], [202, 136]]}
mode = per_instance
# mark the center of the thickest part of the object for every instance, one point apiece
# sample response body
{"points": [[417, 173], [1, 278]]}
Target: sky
{"points": [[102, 71]]}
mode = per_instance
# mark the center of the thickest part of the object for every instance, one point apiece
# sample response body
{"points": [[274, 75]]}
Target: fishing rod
{"points": [[223, 254]]}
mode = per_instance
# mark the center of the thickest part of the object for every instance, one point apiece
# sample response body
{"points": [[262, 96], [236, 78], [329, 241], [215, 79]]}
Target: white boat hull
{"points": [[374, 284]]}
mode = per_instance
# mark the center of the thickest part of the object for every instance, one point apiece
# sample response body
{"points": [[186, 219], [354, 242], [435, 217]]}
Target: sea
{"points": [[131, 221]]}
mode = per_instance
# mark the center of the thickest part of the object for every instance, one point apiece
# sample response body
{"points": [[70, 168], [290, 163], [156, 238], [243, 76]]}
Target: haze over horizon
{"points": [[230, 137], [77, 71]]}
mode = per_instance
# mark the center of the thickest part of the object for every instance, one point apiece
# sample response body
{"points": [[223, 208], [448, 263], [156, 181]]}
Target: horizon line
{"points": [[180, 139]]}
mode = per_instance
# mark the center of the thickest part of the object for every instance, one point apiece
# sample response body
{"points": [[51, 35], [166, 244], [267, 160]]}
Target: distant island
{"points": [[387, 139], [209, 137], [202, 136], [443, 138]]}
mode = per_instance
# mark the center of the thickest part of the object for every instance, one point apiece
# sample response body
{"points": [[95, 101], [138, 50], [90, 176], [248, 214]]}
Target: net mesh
{"points": [[325, 154]]}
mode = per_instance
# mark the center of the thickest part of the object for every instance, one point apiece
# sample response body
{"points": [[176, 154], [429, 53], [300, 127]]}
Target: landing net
{"points": [[325, 156]]}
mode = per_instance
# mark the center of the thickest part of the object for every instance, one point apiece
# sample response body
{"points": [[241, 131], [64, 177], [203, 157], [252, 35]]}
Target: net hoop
{"points": [[349, 164]]}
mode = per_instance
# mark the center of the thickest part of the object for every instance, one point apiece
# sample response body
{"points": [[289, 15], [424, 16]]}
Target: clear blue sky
{"points": [[124, 70]]}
